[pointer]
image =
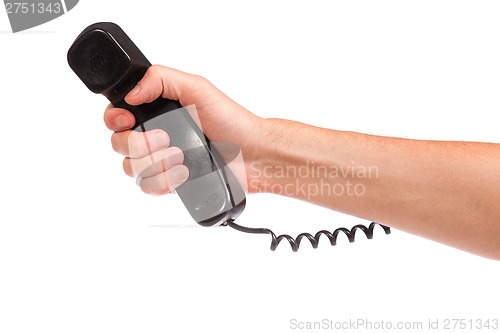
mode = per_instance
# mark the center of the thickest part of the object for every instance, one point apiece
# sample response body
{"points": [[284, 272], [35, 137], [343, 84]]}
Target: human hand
{"points": [[149, 157]]}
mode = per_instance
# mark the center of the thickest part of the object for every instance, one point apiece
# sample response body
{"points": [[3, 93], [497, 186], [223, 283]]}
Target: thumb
{"points": [[162, 81], [148, 89]]}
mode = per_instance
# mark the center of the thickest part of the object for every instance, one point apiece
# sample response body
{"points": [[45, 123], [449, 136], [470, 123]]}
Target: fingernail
{"points": [[122, 121], [160, 139], [134, 91], [180, 174], [175, 158]]}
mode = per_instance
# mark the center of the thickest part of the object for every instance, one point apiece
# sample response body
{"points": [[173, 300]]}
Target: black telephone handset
{"points": [[109, 63]]}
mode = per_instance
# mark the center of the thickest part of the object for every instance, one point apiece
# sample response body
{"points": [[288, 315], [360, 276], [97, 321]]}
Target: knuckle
{"points": [[136, 144], [115, 142], [202, 81], [201, 84], [127, 167], [154, 72], [155, 68]]}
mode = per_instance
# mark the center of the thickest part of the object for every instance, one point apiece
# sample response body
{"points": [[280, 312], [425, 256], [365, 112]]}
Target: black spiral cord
{"points": [[295, 242]]}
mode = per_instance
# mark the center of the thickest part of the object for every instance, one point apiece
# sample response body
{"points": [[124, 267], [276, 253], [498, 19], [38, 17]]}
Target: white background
{"points": [[82, 249]]}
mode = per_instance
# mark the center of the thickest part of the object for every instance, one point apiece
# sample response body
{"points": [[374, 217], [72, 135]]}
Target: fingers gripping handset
{"points": [[109, 63]]}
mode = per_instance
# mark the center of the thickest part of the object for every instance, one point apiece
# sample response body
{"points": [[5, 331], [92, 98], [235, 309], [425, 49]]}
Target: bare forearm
{"points": [[446, 191]]}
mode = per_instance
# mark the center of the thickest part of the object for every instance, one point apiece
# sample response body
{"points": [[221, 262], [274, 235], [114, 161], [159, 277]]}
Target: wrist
{"points": [[270, 150]]}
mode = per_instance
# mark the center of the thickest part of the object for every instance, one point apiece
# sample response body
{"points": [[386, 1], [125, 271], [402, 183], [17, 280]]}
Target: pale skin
{"points": [[441, 190]]}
